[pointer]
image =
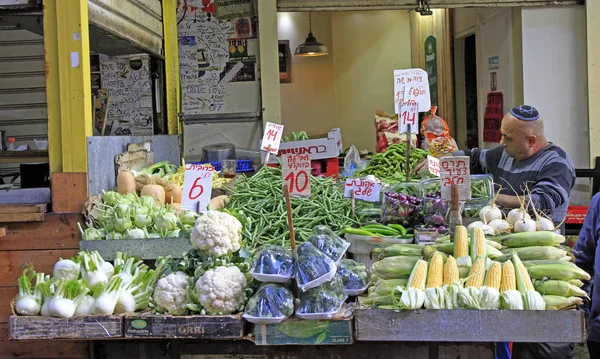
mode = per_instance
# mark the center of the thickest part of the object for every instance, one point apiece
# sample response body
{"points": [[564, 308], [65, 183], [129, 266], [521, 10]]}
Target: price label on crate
{"points": [[408, 115], [433, 164], [272, 137], [197, 187], [363, 190], [456, 171], [295, 170]]}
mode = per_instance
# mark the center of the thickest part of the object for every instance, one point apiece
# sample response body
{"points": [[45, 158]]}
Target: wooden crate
{"points": [[197, 327], [86, 328], [294, 331]]}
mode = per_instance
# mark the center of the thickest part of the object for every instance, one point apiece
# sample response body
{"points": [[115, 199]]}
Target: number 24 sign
{"points": [[197, 187]]}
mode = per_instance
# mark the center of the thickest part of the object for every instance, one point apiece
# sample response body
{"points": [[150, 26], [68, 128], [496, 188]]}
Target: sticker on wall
{"points": [[493, 63], [493, 81]]}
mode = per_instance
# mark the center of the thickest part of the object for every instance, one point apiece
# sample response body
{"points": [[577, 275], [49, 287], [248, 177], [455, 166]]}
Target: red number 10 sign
{"points": [[197, 187], [295, 170]]}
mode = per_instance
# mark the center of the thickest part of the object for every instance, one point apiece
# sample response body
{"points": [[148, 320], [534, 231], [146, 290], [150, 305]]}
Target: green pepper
{"points": [[398, 228], [359, 232]]}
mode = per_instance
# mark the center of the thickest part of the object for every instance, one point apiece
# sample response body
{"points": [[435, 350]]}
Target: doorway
{"points": [[465, 67]]}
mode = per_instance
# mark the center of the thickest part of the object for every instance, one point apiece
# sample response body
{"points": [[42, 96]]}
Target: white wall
{"points": [[494, 38], [555, 77], [368, 47], [307, 103]]}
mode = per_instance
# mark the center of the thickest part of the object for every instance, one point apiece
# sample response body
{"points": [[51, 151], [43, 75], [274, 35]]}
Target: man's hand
{"points": [[509, 201], [419, 166]]}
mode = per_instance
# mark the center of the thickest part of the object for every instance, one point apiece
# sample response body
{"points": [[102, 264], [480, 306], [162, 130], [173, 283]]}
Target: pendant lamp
{"points": [[311, 47]]}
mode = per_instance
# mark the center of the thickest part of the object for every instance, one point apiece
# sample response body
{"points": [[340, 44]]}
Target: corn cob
{"points": [[560, 271], [430, 251], [493, 276], [397, 250], [523, 280], [537, 252], [461, 242], [394, 267], [508, 281], [385, 286], [477, 273], [450, 271], [418, 276], [576, 282], [558, 287], [555, 302], [538, 262], [528, 239], [477, 245], [435, 276]]}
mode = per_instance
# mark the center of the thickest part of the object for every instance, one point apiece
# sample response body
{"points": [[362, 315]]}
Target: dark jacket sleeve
{"points": [[477, 157], [585, 249], [552, 187]]}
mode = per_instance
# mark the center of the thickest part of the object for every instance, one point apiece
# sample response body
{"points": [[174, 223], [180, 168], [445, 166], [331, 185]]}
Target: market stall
{"points": [[368, 254]]}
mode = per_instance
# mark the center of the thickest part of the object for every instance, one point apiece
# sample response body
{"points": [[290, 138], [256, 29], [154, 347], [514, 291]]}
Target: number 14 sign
{"points": [[197, 187]]}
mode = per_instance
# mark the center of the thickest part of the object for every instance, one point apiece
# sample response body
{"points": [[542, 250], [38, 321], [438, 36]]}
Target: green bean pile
{"points": [[390, 165], [261, 199]]}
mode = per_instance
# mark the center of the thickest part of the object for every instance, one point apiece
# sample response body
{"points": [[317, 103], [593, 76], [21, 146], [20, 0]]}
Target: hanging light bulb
{"points": [[310, 46]]}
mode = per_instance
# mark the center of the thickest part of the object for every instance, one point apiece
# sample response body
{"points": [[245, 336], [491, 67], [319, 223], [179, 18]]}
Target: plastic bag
{"points": [[386, 131], [273, 263], [323, 301], [353, 162], [313, 267], [354, 276], [437, 135], [400, 209], [328, 242], [272, 303]]}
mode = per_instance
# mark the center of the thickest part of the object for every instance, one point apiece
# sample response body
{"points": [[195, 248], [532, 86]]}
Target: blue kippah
{"points": [[525, 113]]}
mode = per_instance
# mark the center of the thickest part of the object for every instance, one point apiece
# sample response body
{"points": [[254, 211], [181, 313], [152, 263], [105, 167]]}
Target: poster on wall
{"points": [[128, 85], [214, 56], [431, 68]]}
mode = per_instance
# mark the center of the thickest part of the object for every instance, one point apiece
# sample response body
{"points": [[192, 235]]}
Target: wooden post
{"points": [[267, 156], [288, 205], [455, 217], [407, 168]]}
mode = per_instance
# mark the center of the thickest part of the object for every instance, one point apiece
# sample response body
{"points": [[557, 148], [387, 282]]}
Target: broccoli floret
{"points": [[274, 260], [271, 301], [326, 298], [354, 275], [311, 264], [328, 242]]}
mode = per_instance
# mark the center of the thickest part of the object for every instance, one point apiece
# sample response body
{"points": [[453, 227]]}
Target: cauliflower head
{"points": [[222, 290], [171, 293], [217, 233]]}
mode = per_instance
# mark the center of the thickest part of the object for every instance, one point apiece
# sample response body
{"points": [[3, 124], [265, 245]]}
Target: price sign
{"points": [[433, 164], [272, 137], [456, 171], [412, 85], [295, 170], [408, 115], [363, 190], [197, 187]]}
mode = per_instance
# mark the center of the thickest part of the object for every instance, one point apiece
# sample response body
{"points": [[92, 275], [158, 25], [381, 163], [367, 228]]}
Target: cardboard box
{"points": [[576, 214], [320, 148], [194, 326], [86, 328], [295, 331]]}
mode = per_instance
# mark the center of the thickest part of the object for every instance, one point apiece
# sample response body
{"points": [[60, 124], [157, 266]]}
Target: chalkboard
{"points": [[217, 61], [129, 88]]}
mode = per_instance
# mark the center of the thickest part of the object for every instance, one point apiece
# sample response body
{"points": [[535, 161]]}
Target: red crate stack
{"points": [[493, 117]]}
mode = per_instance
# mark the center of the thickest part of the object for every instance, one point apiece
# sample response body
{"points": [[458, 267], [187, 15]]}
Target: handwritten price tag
{"points": [[363, 190], [272, 137], [295, 170], [456, 171], [197, 187], [433, 164], [412, 85], [408, 115]]}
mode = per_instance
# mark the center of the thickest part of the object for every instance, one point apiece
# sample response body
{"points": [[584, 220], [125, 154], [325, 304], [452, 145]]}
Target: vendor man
{"points": [[526, 156]]}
